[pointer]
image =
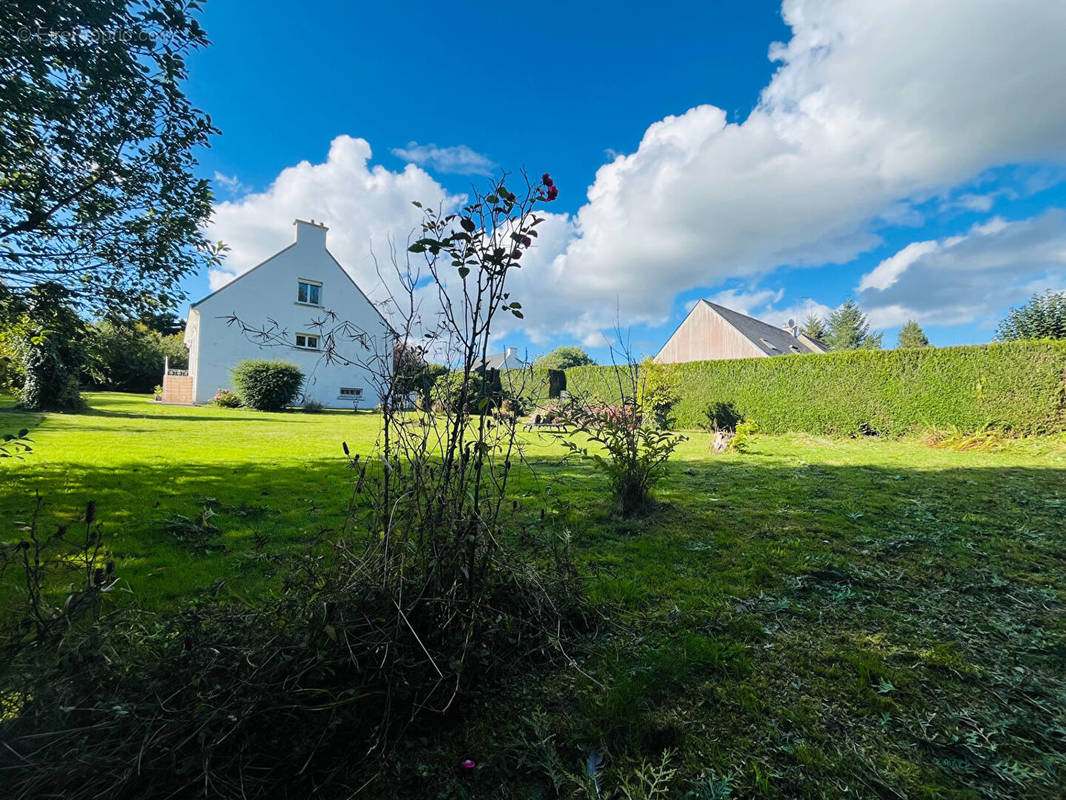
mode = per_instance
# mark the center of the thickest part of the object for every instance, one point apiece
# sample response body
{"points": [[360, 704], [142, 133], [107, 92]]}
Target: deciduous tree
{"points": [[97, 192], [564, 358]]}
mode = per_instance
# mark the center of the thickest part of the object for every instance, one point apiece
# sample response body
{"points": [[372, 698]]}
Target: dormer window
{"points": [[306, 341], [309, 293]]}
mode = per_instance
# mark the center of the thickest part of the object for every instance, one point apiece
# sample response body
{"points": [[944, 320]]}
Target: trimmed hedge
{"points": [[1019, 386], [532, 386], [267, 385]]}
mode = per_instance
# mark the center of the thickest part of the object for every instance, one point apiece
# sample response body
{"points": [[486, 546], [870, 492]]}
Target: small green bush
{"points": [[224, 398], [1015, 386], [267, 385]]}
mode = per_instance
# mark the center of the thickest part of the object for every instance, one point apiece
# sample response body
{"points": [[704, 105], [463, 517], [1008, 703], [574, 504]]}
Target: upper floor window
{"points": [[307, 341], [309, 292]]}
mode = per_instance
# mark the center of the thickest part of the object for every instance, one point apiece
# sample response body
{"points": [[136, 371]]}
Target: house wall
{"points": [[266, 297], [705, 336]]}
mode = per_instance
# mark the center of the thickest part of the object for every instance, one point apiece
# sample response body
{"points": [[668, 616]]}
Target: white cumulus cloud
{"points": [[966, 278], [364, 206], [875, 107], [460, 159]]}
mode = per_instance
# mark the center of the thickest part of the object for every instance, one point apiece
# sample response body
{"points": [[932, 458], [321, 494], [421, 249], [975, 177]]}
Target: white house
{"points": [[508, 359], [288, 293]]}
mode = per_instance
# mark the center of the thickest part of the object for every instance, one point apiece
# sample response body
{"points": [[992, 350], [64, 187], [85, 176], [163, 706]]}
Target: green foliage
{"points": [[412, 374], [15, 445], [129, 357], [720, 417], [97, 158], [912, 335], [48, 337], [532, 387], [658, 393], [450, 387], [820, 569], [224, 398], [847, 329], [814, 327], [1043, 317], [746, 431], [564, 358], [305, 675], [1015, 386], [631, 432], [267, 385]]}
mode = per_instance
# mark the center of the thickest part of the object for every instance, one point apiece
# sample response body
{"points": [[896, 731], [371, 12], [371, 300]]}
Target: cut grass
{"points": [[814, 618]]}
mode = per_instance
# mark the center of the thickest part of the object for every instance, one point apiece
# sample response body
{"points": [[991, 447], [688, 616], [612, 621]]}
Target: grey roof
{"points": [[770, 339], [495, 360]]}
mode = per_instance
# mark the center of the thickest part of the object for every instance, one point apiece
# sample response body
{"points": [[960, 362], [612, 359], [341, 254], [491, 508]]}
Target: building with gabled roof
{"points": [[712, 332], [298, 294]]}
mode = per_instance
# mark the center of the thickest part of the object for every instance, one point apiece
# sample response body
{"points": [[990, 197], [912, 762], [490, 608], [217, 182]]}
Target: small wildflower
{"points": [[468, 764]]}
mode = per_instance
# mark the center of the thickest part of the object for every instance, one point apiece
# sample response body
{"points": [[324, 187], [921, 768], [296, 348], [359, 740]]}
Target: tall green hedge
{"points": [[533, 386], [1020, 386]]}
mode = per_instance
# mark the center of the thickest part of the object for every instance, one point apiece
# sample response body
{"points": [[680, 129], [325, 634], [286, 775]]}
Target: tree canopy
{"points": [[848, 329], [911, 335], [814, 327], [1042, 317], [564, 358], [97, 193]]}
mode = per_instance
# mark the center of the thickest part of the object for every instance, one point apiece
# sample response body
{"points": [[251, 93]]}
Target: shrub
{"points": [[746, 431], [267, 385], [720, 417], [311, 407], [1017, 386], [224, 398], [635, 452]]}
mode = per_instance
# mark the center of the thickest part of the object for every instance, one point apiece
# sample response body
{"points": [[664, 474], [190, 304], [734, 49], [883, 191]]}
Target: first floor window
{"points": [[348, 392], [307, 341]]}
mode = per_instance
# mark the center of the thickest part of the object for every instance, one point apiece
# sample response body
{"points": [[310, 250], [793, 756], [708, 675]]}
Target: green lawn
{"points": [[814, 618]]}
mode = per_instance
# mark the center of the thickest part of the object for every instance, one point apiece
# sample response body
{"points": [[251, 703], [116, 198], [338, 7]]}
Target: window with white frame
{"points": [[307, 341], [309, 292], [351, 392]]}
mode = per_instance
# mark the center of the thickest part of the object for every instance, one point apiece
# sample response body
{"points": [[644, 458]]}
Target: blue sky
{"points": [[907, 156]]}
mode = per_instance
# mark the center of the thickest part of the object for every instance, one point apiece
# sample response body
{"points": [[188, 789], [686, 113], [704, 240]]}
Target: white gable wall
{"points": [[268, 294]]}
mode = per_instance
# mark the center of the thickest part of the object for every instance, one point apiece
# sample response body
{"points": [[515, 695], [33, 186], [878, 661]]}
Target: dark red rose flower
{"points": [[516, 253], [553, 192], [547, 180], [526, 241]]}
